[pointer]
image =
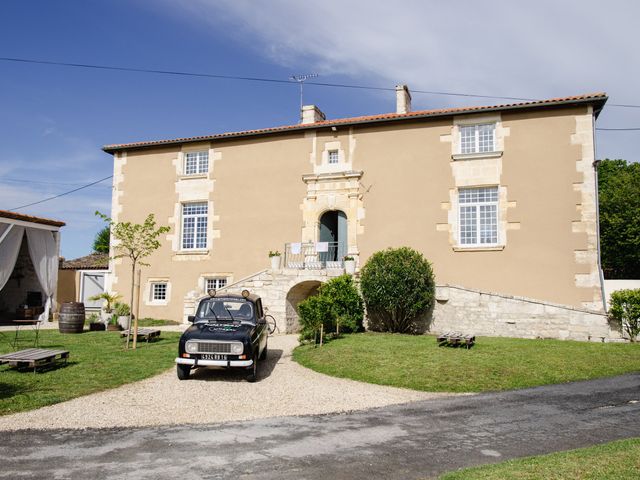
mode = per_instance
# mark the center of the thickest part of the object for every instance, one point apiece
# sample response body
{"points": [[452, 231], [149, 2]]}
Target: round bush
{"points": [[398, 289]]}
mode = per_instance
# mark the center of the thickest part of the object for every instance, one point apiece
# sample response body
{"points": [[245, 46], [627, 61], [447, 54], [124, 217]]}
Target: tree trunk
{"points": [[135, 322], [133, 271]]}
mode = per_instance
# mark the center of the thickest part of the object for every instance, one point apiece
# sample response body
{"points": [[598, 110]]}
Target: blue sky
{"points": [[53, 120]]}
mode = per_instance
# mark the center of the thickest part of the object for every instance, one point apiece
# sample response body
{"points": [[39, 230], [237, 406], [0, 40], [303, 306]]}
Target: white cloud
{"points": [[537, 49]]}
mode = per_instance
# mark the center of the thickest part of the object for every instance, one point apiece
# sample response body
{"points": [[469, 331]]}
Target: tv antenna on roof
{"points": [[301, 79]]}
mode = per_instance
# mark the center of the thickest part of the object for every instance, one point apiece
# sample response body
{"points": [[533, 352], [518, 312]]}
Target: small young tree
{"points": [[398, 288], [625, 309], [337, 307], [101, 241], [134, 241]]}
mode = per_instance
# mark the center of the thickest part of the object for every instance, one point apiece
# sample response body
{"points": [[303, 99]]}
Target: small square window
{"points": [[333, 157], [159, 291], [196, 163], [215, 283], [477, 138]]}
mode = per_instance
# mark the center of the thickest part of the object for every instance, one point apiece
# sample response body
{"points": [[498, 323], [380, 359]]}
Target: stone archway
{"points": [[297, 294]]}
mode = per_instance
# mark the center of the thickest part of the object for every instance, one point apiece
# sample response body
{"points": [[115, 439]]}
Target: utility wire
{"points": [[618, 129], [39, 182], [62, 194], [269, 80]]}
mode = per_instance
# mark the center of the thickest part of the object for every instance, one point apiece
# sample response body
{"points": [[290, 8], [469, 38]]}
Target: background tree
{"points": [[134, 241], [101, 241], [398, 289], [619, 197]]}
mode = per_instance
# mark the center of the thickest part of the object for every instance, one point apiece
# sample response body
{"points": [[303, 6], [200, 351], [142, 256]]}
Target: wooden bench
{"points": [[34, 358], [144, 333], [456, 339]]}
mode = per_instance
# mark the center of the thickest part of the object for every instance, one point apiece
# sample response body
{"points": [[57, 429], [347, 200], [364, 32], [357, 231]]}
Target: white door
{"points": [[92, 284]]}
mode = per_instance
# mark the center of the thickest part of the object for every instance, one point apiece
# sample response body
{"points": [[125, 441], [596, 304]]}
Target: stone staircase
{"points": [[281, 290]]}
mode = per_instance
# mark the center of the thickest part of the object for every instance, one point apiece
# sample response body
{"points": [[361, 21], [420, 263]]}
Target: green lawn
{"points": [[611, 461], [97, 361], [155, 322], [417, 362]]}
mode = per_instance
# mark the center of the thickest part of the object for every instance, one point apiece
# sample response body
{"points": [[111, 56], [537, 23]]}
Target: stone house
{"points": [[501, 199]]}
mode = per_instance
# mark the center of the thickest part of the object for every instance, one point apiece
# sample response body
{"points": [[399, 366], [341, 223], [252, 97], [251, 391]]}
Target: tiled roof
{"points": [[29, 218], [94, 261], [591, 98]]}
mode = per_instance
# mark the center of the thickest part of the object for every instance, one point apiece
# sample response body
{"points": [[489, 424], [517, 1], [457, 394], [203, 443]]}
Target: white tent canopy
{"points": [[43, 243]]}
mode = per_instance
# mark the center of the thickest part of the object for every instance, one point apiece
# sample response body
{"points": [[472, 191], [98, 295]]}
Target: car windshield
{"points": [[224, 309]]}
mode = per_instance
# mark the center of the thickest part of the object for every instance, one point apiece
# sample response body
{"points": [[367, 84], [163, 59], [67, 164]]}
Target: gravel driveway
{"points": [[284, 388]]}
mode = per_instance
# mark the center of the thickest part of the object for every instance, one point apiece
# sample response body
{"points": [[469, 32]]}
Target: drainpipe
{"points": [[595, 170]]}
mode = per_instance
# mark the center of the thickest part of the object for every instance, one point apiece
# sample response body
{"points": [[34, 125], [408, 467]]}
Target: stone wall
{"points": [[280, 290], [481, 313]]}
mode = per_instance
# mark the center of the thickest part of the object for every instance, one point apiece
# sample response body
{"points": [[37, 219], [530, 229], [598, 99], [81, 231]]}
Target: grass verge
{"points": [[155, 322], [97, 361], [416, 362], [617, 460]]}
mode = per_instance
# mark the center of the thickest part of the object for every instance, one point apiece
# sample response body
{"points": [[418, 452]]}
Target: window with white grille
{"points": [[333, 157], [196, 163], [159, 291], [194, 226], [477, 138], [215, 283], [478, 216]]}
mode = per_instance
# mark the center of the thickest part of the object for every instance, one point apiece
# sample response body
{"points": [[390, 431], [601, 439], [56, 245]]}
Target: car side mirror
{"points": [[191, 318]]}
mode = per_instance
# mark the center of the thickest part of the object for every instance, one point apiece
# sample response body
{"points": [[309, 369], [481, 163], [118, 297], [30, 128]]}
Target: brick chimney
{"points": [[403, 99], [312, 114]]}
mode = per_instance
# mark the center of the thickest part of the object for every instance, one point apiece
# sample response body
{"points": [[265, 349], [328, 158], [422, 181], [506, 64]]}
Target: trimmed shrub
{"points": [[625, 309], [398, 289], [338, 307]]}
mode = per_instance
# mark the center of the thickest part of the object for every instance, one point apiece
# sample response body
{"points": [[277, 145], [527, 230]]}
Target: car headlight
{"points": [[191, 347], [236, 348]]}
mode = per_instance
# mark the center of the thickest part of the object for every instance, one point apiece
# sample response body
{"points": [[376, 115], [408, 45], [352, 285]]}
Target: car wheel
{"points": [[252, 371], [183, 371], [263, 355]]}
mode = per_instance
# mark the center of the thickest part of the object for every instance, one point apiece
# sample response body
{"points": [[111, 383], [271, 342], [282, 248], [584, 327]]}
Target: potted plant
{"points": [[274, 256], [349, 265], [122, 311], [95, 323], [107, 308], [113, 325]]}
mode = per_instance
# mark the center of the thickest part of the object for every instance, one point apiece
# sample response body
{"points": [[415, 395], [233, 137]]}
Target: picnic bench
{"points": [[144, 333], [34, 358], [456, 339]]}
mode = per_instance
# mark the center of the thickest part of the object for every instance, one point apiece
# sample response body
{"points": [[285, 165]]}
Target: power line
{"points": [[270, 80], [618, 129], [39, 182], [62, 194]]}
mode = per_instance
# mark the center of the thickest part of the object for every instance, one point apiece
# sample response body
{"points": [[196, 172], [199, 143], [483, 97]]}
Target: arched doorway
{"points": [[333, 230], [297, 294]]}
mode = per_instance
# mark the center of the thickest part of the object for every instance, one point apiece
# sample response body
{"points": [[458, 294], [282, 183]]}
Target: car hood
{"points": [[224, 331]]}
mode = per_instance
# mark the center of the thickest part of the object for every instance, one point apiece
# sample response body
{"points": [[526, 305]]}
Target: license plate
{"points": [[213, 356]]}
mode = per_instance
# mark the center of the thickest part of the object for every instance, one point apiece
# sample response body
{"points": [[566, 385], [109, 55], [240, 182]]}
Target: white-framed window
{"points": [[159, 291], [477, 138], [215, 283], [196, 163], [333, 157], [194, 225], [478, 216]]}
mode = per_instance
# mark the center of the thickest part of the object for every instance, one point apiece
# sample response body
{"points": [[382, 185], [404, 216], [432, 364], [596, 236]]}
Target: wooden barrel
{"points": [[71, 317]]}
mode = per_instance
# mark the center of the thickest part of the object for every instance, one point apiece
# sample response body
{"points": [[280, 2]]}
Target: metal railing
{"points": [[314, 256]]}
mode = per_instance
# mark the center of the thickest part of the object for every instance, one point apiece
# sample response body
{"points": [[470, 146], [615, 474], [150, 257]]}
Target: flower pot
{"points": [[350, 266], [275, 262], [97, 327], [113, 327], [123, 321]]}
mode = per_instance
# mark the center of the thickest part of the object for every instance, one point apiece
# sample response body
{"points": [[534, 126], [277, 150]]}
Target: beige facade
{"points": [[398, 179]]}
